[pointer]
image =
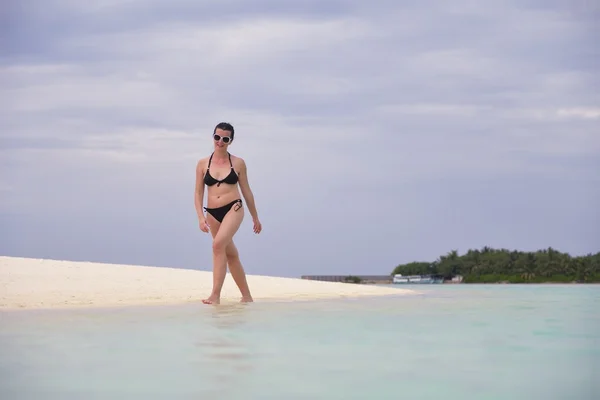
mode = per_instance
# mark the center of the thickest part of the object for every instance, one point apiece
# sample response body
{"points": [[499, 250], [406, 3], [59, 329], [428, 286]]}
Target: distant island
{"points": [[490, 265]]}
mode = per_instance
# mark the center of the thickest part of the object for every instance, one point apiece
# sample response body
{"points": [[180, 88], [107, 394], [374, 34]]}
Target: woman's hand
{"points": [[257, 225], [203, 224]]}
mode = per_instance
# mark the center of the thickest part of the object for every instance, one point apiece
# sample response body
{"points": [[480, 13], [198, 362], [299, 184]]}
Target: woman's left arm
{"points": [[248, 195]]}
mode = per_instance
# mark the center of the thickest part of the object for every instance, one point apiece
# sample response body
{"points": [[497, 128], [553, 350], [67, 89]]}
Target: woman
{"points": [[221, 173]]}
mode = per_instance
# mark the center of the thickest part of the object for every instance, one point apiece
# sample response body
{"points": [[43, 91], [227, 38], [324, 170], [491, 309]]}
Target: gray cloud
{"points": [[375, 133]]}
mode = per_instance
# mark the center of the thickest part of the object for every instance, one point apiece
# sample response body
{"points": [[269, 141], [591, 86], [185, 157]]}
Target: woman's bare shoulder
{"points": [[202, 163], [238, 161]]}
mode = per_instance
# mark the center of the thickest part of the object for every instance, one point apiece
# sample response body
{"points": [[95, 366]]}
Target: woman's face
{"points": [[222, 139]]}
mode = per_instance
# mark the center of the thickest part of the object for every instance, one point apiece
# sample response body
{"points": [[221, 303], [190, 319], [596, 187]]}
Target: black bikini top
{"points": [[232, 178]]}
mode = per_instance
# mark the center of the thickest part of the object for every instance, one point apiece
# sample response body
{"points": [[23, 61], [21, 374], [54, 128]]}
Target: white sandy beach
{"points": [[27, 283]]}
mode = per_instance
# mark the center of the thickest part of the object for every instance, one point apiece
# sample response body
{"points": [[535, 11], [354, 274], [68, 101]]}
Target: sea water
{"points": [[477, 342]]}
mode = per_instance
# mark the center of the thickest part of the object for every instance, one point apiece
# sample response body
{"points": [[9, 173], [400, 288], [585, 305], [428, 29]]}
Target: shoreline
{"points": [[487, 283], [44, 284]]}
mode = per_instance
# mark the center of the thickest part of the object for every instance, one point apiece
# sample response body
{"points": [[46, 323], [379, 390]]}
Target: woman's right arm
{"points": [[199, 191]]}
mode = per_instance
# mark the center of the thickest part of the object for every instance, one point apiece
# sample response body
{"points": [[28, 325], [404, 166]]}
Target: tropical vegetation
{"points": [[490, 265], [352, 279]]}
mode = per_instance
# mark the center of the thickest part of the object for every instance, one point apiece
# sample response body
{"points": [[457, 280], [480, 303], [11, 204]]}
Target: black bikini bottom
{"points": [[220, 212]]}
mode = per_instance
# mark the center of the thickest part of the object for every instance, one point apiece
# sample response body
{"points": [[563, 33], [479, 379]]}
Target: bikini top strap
{"points": [[210, 160], [230, 163]]}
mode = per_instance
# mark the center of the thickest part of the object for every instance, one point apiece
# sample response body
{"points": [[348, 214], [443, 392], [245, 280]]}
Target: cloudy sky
{"points": [[374, 133]]}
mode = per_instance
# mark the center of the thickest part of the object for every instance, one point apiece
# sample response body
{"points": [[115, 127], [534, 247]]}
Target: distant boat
{"points": [[416, 279]]}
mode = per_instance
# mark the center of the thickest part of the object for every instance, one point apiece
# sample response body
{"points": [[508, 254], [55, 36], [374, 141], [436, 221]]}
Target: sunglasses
{"points": [[226, 139]]}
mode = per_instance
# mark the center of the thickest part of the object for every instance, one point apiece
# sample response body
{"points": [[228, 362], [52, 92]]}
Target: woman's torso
{"points": [[218, 178]]}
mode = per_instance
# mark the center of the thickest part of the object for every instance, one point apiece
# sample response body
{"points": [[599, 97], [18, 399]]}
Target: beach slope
{"points": [[27, 283]]}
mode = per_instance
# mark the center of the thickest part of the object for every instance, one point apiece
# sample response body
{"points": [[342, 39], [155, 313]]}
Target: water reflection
{"points": [[225, 347], [227, 316]]}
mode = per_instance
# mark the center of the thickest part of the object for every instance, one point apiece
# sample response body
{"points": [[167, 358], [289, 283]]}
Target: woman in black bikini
{"points": [[221, 173]]}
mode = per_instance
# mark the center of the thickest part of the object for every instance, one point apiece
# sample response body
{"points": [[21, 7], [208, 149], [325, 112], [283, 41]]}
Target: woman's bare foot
{"points": [[246, 299], [213, 299]]}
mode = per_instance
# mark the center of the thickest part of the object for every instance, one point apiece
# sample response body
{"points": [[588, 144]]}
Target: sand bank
{"points": [[41, 283]]}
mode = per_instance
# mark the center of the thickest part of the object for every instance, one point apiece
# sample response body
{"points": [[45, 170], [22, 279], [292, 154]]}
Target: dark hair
{"points": [[226, 127]]}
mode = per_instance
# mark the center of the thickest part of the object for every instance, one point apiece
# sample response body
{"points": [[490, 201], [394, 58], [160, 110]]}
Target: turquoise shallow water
{"points": [[481, 342]]}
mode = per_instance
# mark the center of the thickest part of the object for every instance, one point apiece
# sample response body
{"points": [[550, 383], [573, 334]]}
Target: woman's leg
{"points": [[237, 271], [221, 240], [233, 261]]}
